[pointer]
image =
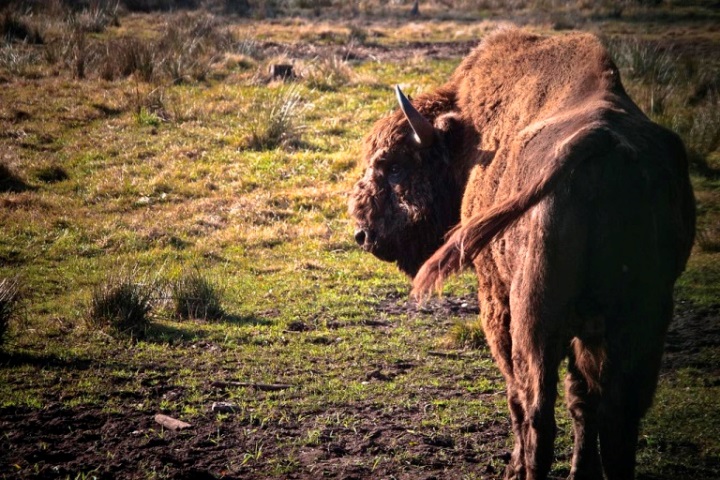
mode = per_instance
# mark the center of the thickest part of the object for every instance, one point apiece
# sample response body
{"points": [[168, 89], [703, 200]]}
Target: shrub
{"points": [[275, 120], [194, 296], [9, 296], [122, 304], [159, 5]]}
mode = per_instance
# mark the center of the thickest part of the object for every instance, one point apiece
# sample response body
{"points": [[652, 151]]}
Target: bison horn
{"points": [[424, 131]]}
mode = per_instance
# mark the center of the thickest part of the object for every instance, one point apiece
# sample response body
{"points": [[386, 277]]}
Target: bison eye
{"points": [[395, 171]]}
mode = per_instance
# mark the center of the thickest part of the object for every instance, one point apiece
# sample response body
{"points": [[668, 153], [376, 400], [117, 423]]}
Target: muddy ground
{"points": [[61, 442]]}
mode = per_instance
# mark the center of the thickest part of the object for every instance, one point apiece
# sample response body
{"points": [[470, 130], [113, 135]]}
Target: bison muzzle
{"points": [[533, 165]]}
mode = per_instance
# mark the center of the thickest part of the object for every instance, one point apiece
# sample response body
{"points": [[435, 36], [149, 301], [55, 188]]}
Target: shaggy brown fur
{"points": [[576, 212]]}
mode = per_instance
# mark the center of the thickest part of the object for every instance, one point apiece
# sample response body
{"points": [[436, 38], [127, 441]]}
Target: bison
{"points": [[534, 166]]}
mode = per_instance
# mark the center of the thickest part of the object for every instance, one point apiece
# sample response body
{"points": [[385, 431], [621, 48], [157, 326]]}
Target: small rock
{"points": [[223, 407], [172, 395], [171, 423]]}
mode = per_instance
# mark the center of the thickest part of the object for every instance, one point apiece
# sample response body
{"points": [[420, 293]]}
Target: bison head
{"points": [[410, 194]]}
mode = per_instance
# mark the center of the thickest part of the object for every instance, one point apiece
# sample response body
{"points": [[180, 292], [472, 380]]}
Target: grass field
{"points": [[156, 150]]}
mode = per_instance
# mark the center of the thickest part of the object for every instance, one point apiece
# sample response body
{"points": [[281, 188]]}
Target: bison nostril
{"points": [[360, 237]]}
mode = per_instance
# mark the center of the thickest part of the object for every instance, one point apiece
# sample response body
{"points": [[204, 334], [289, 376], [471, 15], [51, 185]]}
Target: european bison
{"points": [[577, 214]]}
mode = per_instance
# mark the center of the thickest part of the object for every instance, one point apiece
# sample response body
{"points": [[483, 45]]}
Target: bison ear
{"points": [[448, 122], [423, 129]]}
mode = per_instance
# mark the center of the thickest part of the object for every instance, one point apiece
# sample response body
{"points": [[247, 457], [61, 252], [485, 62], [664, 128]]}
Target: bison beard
{"points": [[577, 214]]}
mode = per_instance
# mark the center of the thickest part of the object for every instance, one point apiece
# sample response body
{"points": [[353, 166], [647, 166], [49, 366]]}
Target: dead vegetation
{"points": [[274, 119], [708, 238], [327, 73]]}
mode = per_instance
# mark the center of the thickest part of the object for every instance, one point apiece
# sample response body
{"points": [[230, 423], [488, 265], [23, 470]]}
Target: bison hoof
{"points": [[586, 475], [514, 472]]}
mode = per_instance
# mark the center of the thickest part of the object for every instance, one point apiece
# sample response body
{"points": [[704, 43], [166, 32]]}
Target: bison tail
{"points": [[589, 360], [465, 242]]}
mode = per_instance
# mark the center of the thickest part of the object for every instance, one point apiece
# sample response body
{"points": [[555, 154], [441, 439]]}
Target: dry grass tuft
{"points": [[190, 45], [127, 56], [708, 238], [703, 138], [152, 106], [186, 50], [275, 120], [327, 73], [18, 59], [97, 17], [79, 52], [122, 303], [465, 334], [645, 61], [195, 296]]}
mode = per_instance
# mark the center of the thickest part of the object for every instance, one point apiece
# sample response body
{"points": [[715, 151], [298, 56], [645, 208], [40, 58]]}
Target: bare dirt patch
{"points": [[382, 441], [60, 442]]}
